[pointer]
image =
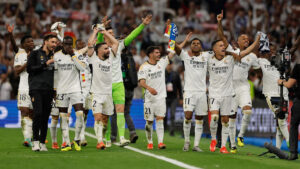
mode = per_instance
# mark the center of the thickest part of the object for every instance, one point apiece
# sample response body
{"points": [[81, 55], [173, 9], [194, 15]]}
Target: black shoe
{"points": [[133, 138], [293, 156]]}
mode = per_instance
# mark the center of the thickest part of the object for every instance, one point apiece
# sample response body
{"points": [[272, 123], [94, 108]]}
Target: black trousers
{"points": [[171, 104], [128, 119], [295, 120], [41, 102]]}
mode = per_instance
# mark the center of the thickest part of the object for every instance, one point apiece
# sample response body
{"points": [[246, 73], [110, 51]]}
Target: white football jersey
{"points": [[20, 60], [102, 74], [220, 76], [270, 78], [67, 74], [155, 78], [195, 70], [116, 70]]}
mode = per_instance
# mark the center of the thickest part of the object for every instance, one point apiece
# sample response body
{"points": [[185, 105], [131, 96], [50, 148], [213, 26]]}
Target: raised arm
{"points": [[251, 47], [220, 29], [178, 47], [113, 40], [91, 42], [11, 37], [137, 30]]}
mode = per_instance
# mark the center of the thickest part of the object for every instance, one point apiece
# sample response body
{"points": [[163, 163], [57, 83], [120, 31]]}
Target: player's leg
{"points": [[128, 119], [76, 100], [282, 124], [97, 108], [246, 105], [200, 113], [53, 125], [119, 101], [149, 117], [225, 111], [232, 132], [214, 110], [188, 108], [159, 108], [62, 102], [87, 107]]}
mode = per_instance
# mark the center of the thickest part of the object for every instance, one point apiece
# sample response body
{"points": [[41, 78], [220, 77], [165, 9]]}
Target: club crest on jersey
{"points": [[203, 59], [225, 61], [32, 99], [42, 57], [248, 60], [158, 66]]}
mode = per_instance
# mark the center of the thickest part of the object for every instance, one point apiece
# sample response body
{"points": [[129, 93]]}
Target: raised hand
{"points": [[147, 19], [188, 36], [220, 16], [10, 28], [105, 21]]}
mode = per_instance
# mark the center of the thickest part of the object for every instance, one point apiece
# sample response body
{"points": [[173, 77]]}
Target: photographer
{"points": [[271, 90], [295, 115]]}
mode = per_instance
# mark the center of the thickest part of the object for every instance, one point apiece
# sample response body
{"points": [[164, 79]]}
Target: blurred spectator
{"points": [[5, 87]]}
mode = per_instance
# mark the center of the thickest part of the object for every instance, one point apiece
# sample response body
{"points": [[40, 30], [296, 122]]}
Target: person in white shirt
{"points": [[67, 64], [151, 77], [101, 58], [221, 92], [195, 98], [24, 100], [271, 90], [240, 83]]}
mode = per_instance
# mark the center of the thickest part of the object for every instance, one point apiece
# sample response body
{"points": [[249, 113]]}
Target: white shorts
{"points": [[155, 108], [63, 100], [24, 100], [102, 104], [195, 102], [222, 104], [54, 110], [242, 98]]}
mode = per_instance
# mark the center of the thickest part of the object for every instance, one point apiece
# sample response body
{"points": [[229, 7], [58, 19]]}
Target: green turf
{"points": [[14, 155]]}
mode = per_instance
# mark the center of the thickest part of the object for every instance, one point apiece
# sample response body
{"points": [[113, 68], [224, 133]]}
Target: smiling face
{"points": [[219, 49], [51, 43], [243, 41]]}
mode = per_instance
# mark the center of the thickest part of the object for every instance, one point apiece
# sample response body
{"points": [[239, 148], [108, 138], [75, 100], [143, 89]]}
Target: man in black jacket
{"points": [[174, 91], [40, 68], [295, 115]]}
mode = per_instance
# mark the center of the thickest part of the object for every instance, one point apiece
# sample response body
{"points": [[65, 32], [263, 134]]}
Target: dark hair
{"points": [[214, 43], [99, 45], [197, 40], [67, 37], [150, 49], [24, 38], [49, 36], [108, 27]]}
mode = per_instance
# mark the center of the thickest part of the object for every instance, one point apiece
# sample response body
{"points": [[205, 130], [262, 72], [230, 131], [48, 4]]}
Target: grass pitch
{"points": [[13, 155]]}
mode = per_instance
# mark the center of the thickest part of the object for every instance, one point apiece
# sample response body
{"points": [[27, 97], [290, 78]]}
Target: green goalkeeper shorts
{"points": [[118, 93]]}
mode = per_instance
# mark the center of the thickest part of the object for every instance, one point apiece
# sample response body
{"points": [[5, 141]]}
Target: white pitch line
{"points": [[160, 157]]}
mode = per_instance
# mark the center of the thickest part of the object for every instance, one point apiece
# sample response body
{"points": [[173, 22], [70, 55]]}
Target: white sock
{"points": [[82, 133], [245, 122], [23, 126], [98, 127], [198, 132], [225, 133], [214, 126], [279, 138], [160, 130], [232, 131], [65, 127], [187, 129], [149, 131], [78, 124], [53, 130], [284, 129], [29, 128]]}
